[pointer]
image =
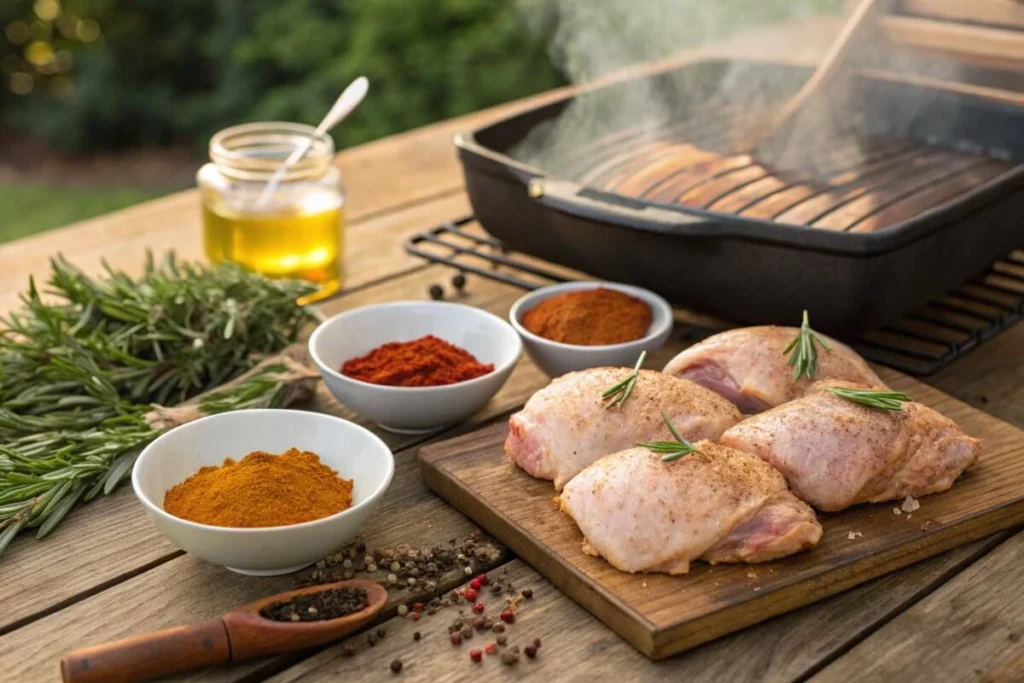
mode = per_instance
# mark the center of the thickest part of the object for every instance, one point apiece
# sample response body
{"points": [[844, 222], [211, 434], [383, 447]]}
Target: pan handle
{"points": [[569, 197]]}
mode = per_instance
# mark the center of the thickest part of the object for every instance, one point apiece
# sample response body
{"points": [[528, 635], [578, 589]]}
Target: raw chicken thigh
{"points": [[836, 453], [748, 366], [720, 505], [564, 426]]}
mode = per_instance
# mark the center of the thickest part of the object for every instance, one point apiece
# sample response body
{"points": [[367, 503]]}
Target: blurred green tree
{"points": [[159, 71]]}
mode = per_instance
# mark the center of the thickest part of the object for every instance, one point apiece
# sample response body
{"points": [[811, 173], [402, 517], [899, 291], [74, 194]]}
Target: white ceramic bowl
{"points": [[353, 451], [412, 410], [556, 358]]}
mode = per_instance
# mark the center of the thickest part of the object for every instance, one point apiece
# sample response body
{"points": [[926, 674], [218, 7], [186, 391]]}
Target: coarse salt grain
{"points": [[897, 511], [854, 534], [910, 504]]}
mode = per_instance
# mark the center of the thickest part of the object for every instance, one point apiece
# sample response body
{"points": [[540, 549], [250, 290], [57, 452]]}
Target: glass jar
{"points": [[294, 231]]}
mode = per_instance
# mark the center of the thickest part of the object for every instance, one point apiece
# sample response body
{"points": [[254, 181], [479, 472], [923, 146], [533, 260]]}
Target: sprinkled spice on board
{"points": [[424, 362], [327, 604], [590, 317], [261, 490]]}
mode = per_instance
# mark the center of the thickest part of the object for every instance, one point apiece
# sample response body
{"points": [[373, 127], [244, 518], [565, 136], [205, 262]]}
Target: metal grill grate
{"points": [[919, 343]]}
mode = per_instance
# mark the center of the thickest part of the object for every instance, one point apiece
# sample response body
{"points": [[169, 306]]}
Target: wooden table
{"points": [[107, 573]]}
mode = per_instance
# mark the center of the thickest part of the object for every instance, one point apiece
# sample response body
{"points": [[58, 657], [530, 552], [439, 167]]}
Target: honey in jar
{"points": [[295, 229]]}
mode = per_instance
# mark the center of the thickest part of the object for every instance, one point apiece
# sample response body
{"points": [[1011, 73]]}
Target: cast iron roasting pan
{"points": [[755, 270]]}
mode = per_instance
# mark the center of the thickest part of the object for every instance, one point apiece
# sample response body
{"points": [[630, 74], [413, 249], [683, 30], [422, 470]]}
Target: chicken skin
{"points": [[836, 453], [748, 366], [643, 514], [564, 427]]}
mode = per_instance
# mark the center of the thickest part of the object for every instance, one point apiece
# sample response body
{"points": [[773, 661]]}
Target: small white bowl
{"points": [[556, 358], [353, 451], [414, 410]]}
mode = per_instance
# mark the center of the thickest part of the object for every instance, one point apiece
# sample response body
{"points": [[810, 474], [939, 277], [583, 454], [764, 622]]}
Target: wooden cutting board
{"points": [[662, 615]]}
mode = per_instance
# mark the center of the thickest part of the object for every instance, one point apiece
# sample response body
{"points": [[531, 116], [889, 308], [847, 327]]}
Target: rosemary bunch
{"points": [[178, 330]]}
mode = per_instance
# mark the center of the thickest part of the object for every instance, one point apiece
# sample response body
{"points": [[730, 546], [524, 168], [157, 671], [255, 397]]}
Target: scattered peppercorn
{"points": [[436, 292], [491, 648], [456, 638], [476, 655], [475, 584], [496, 588], [502, 639], [498, 628], [530, 651], [480, 624], [415, 616], [536, 643], [418, 606], [381, 633], [508, 616], [528, 593], [467, 632], [416, 636], [348, 649], [478, 608], [403, 610], [459, 281], [371, 639], [509, 658], [396, 665], [483, 579], [469, 595]]}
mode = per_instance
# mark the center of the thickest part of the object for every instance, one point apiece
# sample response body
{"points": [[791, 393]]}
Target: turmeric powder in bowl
{"points": [[261, 490], [590, 317]]}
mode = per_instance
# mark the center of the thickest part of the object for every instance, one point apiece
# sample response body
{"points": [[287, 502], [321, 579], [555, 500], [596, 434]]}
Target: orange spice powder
{"points": [[261, 490]]}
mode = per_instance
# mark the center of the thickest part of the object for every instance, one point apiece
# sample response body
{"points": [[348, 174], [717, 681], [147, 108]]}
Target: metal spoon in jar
{"points": [[343, 106]]}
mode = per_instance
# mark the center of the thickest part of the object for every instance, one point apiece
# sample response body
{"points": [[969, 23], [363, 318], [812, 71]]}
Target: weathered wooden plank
{"points": [[970, 629], [663, 615], [577, 647]]}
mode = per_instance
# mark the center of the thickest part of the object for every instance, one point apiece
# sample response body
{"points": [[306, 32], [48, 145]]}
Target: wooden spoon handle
{"points": [[150, 656]]}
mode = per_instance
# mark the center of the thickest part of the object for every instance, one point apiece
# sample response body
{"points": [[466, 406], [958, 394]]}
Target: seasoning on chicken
{"points": [[564, 426], [749, 366], [836, 453], [643, 514]]}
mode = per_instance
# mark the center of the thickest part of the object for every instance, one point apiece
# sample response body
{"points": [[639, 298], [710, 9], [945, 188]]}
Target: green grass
{"points": [[26, 209]]}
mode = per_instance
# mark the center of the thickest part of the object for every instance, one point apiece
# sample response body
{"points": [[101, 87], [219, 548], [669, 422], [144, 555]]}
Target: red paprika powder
{"points": [[424, 362]]}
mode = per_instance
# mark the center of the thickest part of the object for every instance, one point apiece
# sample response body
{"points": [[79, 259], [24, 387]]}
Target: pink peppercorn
{"points": [[476, 655]]}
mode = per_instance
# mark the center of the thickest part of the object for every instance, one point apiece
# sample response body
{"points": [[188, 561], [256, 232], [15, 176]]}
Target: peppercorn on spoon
{"points": [[239, 635]]}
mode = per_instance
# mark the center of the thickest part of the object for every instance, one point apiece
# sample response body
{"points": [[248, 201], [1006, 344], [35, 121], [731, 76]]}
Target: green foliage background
{"points": [[172, 70]]}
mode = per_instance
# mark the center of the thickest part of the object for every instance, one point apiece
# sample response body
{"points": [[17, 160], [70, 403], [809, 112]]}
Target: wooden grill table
{"points": [[106, 573]]}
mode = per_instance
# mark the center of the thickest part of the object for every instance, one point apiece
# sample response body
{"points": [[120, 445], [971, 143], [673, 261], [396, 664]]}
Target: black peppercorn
{"points": [[381, 633], [436, 292], [527, 593], [416, 636], [459, 281], [396, 665]]}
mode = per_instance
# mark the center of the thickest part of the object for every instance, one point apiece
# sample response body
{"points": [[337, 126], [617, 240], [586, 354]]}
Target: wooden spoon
{"points": [[239, 635], [828, 67]]}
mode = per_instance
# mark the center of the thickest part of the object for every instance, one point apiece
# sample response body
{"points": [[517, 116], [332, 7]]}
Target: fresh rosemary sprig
{"points": [[618, 394], [804, 358], [670, 450], [885, 400]]}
